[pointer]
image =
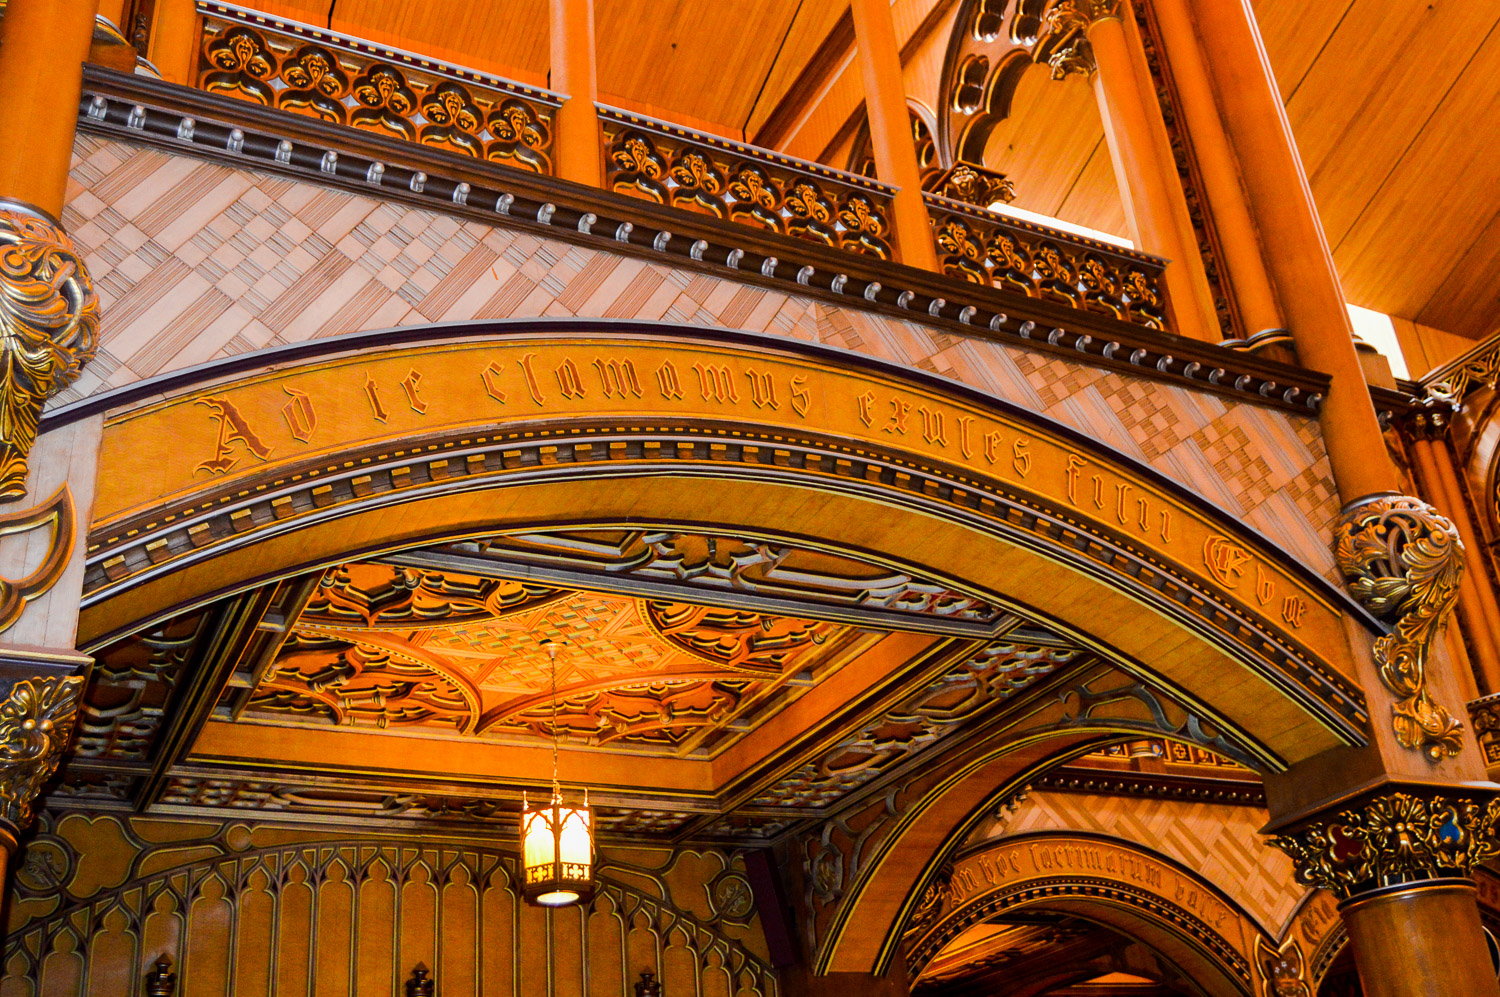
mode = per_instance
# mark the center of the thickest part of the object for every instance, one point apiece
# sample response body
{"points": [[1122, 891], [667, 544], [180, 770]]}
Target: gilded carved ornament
{"points": [[36, 721], [1283, 968], [1392, 839], [49, 328], [56, 515], [1403, 561], [1063, 39]]}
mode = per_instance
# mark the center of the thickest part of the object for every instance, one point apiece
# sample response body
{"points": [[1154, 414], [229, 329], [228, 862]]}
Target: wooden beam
{"points": [[918, 38], [830, 59]]}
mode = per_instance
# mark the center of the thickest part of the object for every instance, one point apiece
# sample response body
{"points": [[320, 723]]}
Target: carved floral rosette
{"points": [[36, 721], [49, 328], [1391, 839], [1403, 561]]}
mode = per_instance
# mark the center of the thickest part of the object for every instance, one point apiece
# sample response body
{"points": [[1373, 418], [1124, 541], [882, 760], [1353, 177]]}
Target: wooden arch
{"points": [[226, 477], [1121, 884], [232, 475]]}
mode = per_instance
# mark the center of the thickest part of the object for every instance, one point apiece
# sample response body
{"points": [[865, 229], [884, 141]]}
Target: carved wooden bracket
{"points": [[49, 328], [1403, 561]]}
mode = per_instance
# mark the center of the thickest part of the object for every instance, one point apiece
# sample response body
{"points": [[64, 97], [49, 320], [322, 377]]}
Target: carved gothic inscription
{"points": [[259, 425]]}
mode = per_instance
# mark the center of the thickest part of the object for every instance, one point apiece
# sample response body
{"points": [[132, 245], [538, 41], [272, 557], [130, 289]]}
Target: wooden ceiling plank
{"points": [[508, 39], [1436, 202], [1294, 33], [1047, 141], [704, 60], [810, 87], [1370, 93], [1468, 300], [1093, 201]]}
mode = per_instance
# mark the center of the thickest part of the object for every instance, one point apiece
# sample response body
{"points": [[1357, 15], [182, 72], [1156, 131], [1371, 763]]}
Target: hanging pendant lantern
{"points": [[557, 851], [557, 840]]}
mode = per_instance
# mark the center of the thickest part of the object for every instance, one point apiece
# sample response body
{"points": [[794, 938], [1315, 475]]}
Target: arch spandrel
{"points": [[226, 484]]}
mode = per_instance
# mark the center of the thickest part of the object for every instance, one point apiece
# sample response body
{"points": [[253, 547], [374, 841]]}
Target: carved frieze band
{"points": [[1391, 839], [36, 721], [49, 328], [1403, 561]]}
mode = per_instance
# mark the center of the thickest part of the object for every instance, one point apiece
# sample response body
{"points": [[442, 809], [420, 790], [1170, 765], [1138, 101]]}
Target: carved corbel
{"points": [[1392, 838], [49, 328], [36, 722], [1063, 42], [1402, 561]]}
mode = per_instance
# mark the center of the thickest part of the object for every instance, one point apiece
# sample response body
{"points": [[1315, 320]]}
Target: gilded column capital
{"points": [[1402, 560], [1063, 40], [49, 328], [36, 721], [1391, 839]]}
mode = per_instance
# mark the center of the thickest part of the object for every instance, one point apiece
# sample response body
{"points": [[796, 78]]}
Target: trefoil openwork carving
{"points": [[1403, 561], [986, 247], [49, 328], [683, 169], [1392, 839], [338, 80], [36, 720]]}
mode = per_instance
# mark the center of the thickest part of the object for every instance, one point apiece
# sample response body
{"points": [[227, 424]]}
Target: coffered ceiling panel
{"points": [[444, 653]]}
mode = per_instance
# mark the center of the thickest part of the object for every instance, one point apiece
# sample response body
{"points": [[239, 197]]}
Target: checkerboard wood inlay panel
{"points": [[195, 261]]}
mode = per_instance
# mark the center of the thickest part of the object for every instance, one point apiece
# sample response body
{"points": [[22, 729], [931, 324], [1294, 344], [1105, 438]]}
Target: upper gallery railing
{"points": [[987, 247], [311, 71], [687, 169], [322, 74]]}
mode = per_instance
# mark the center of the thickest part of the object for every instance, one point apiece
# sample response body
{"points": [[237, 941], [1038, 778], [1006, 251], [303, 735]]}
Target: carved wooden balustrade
{"points": [[682, 168], [322, 74], [989, 248]]}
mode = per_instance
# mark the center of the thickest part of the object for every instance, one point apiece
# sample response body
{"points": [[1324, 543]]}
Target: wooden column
{"points": [[1298, 257], [174, 40], [1243, 259], [43, 45], [890, 130], [576, 150], [1091, 37], [1422, 940], [1476, 596], [1425, 455]]}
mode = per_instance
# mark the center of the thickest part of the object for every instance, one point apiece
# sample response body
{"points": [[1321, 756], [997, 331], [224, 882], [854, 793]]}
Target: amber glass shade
{"points": [[557, 853]]}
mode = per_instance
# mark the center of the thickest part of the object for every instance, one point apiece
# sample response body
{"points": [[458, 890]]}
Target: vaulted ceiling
{"points": [[1388, 100]]}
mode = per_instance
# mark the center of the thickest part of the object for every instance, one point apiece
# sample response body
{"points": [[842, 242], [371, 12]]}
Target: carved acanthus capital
{"points": [[36, 721], [49, 328], [1403, 561], [1063, 40], [1391, 839]]}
